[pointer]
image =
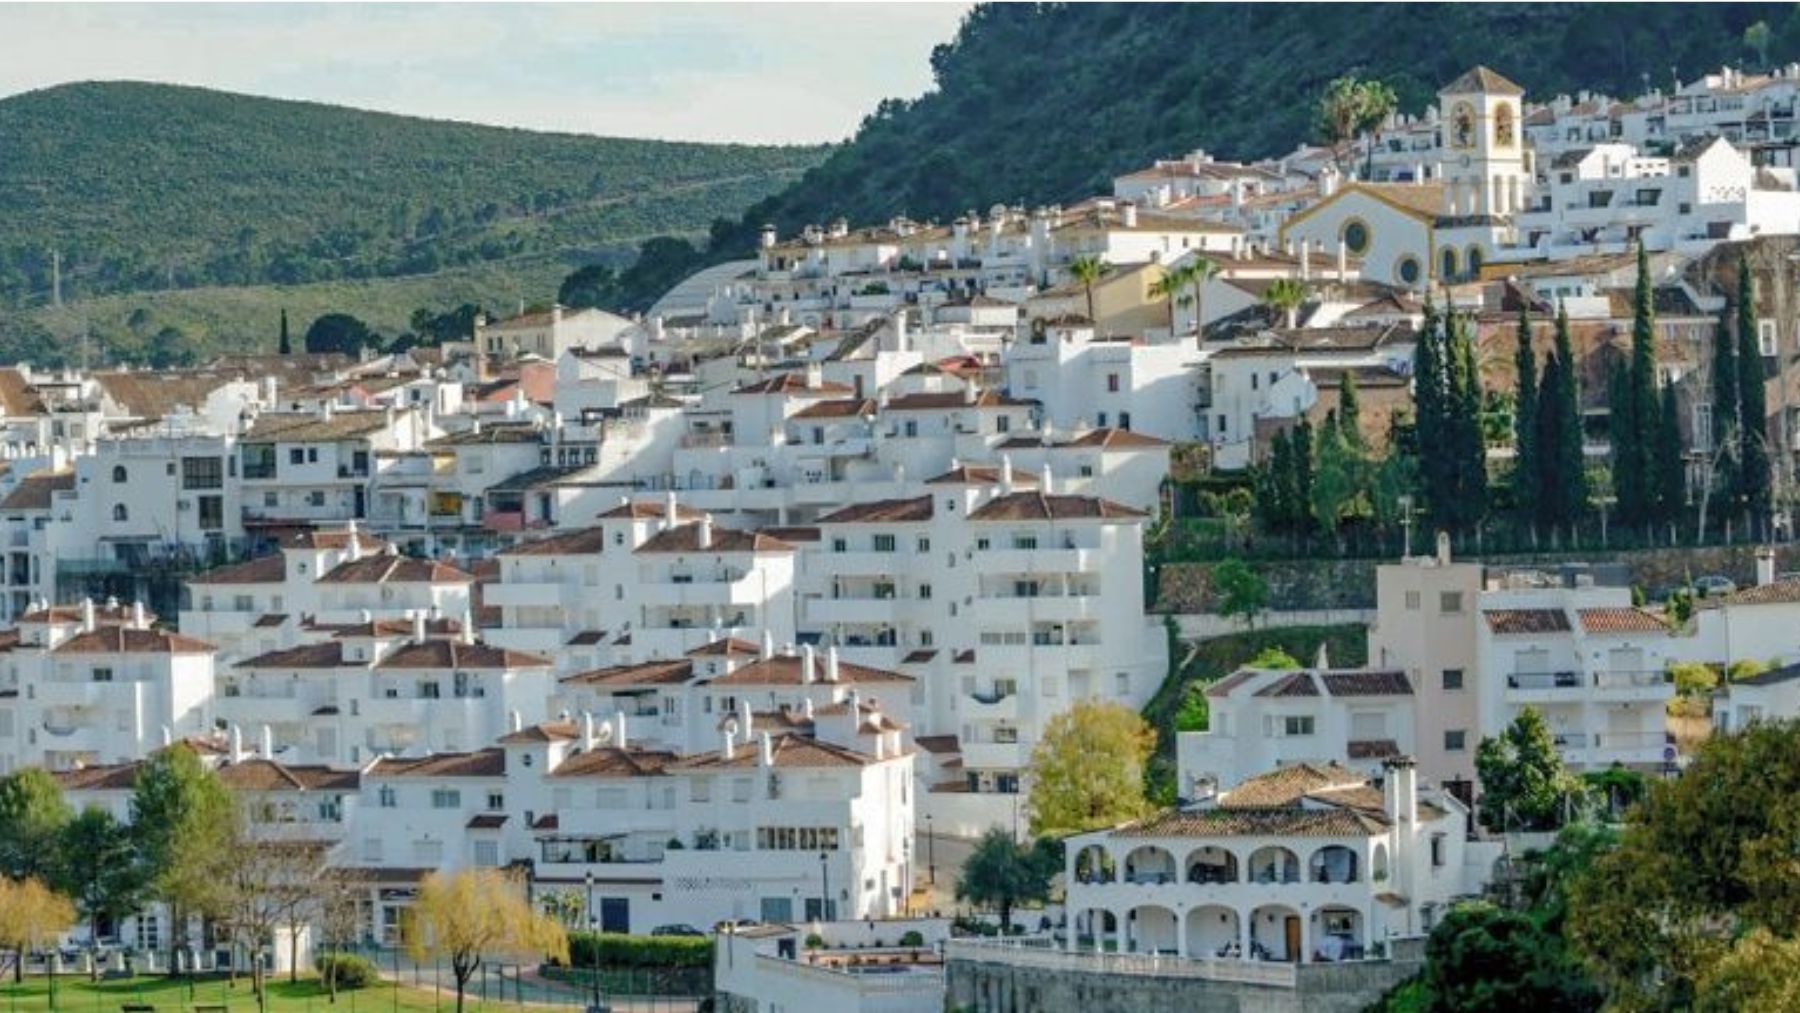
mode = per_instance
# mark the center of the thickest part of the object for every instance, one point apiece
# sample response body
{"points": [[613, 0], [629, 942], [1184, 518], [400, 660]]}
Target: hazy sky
{"points": [[743, 72]]}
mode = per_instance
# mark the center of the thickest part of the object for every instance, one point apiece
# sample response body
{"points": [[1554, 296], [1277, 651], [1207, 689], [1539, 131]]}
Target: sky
{"points": [[766, 73]]}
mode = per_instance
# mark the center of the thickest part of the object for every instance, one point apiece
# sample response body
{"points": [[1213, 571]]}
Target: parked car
{"points": [[678, 929], [1714, 584]]}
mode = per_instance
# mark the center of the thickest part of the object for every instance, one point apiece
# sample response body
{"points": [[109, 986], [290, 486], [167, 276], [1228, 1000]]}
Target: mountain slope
{"points": [[144, 187], [1046, 102]]}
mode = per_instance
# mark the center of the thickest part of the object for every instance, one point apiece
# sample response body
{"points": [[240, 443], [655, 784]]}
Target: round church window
{"points": [[1408, 271], [1356, 237]]}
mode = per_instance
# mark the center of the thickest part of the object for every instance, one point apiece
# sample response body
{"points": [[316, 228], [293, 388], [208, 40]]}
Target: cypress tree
{"points": [[1671, 475], [1349, 419], [1635, 467], [1469, 448], [1277, 472], [1543, 488], [1569, 461], [1430, 395], [1727, 424], [287, 345], [1300, 454], [1753, 471], [1525, 435]]}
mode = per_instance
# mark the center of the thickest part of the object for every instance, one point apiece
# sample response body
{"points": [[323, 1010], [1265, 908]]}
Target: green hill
{"points": [[152, 188], [1046, 102]]}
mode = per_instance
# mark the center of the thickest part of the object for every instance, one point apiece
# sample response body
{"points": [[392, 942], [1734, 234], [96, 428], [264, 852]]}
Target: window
{"points": [[387, 798], [296, 455], [1437, 851], [1356, 237], [119, 476], [839, 545], [924, 544], [884, 543], [103, 674], [1408, 270], [1455, 740], [1112, 383], [496, 802], [1003, 424], [1450, 602], [487, 853], [1447, 263], [1765, 337], [1412, 601], [1453, 678], [202, 473], [120, 513], [1297, 724], [446, 798], [1125, 421], [212, 513]]}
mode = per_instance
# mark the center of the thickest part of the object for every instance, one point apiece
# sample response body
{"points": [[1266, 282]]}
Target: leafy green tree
{"points": [[32, 816], [590, 286], [1753, 415], [1524, 785], [1274, 658], [339, 332], [1170, 287], [1087, 770], [1483, 959], [1378, 102], [1467, 446], [1757, 37], [1002, 874], [1633, 410], [1708, 857], [1339, 478], [1240, 590], [1301, 449], [97, 868], [1562, 461], [1271, 483], [181, 821], [1199, 271], [1525, 464], [1349, 410], [1195, 714], [1761, 971]]}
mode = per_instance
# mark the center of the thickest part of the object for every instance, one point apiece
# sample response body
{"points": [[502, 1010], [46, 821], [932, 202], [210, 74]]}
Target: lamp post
{"points": [[825, 883], [593, 943], [930, 852]]}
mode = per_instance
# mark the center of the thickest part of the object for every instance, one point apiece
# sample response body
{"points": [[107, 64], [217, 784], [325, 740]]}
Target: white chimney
{"points": [[355, 543], [1765, 566], [468, 627], [236, 738], [746, 719], [806, 664], [140, 621], [831, 664], [1045, 479], [806, 708], [669, 509], [1343, 262], [268, 743], [590, 737], [1006, 475], [1305, 260], [765, 756], [87, 615], [515, 720], [768, 648], [729, 749], [703, 536], [619, 739], [1400, 792], [1128, 215], [1443, 548], [418, 627]]}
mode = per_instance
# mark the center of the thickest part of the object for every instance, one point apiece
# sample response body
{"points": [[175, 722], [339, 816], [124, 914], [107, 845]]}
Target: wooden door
{"points": [[1293, 939]]}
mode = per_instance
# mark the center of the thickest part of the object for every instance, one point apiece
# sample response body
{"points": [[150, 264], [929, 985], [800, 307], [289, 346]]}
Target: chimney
{"points": [[703, 536], [669, 510], [806, 664], [1765, 566], [140, 621], [746, 719], [729, 749], [806, 708], [268, 743], [590, 737], [831, 664], [515, 721], [1400, 791], [853, 700], [1343, 263], [1128, 215], [1306, 260], [468, 627], [619, 739], [87, 615], [768, 648], [766, 237], [236, 739], [1045, 479], [418, 627], [1006, 475], [765, 756], [1443, 548], [1322, 661], [355, 542]]}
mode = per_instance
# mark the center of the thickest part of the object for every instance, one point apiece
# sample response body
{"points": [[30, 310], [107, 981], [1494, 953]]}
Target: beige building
{"points": [[548, 333]]}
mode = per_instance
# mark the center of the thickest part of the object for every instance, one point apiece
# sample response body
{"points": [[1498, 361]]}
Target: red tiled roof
{"points": [[1620, 620], [686, 538], [125, 640], [1366, 683], [482, 763], [1031, 506], [648, 673], [784, 670], [886, 511], [262, 570], [1512, 621], [385, 569], [585, 541], [456, 654]]}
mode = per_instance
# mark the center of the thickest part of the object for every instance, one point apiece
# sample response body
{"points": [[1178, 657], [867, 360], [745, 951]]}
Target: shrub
{"points": [[1744, 668], [347, 969], [1195, 714], [616, 949], [1693, 678], [913, 937], [814, 941]]}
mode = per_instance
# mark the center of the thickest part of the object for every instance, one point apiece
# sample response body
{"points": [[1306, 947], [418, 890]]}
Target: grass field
{"points": [[79, 995]]}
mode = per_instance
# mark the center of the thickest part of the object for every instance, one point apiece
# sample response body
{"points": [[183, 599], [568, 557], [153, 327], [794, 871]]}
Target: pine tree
{"points": [[1567, 460], [1468, 447], [1525, 435], [1753, 472], [1671, 473], [287, 346], [1727, 424]]}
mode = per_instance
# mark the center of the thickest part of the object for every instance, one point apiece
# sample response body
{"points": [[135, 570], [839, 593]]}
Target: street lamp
{"points": [[930, 851], [593, 943], [825, 882]]}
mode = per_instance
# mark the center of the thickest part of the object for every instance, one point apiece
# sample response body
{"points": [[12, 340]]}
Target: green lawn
{"points": [[79, 995]]}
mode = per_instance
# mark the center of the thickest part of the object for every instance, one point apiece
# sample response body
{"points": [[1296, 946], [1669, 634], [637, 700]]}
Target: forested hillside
{"points": [[1047, 102], [143, 187]]}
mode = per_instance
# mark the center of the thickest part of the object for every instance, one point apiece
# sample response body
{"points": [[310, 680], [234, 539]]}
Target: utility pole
{"points": [[56, 278]]}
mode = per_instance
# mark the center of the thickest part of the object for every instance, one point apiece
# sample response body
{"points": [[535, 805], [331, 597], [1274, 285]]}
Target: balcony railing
{"points": [[1544, 680], [1626, 679]]}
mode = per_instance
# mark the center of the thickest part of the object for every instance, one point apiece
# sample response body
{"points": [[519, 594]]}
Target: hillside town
{"points": [[784, 612]]}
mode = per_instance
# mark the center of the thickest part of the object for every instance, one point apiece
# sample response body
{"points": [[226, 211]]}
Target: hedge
{"points": [[351, 971], [613, 949]]}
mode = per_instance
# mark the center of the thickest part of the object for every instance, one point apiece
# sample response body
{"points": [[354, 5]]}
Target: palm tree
{"points": [[1285, 295], [1200, 271], [1378, 102], [1169, 288], [1087, 271]]}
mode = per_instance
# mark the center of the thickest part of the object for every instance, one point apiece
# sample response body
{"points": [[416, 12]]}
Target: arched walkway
{"points": [[1338, 933], [1148, 863], [1277, 932], [1094, 865], [1212, 864], [1274, 864], [1333, 863], [1093, 928], [1152, 928], [1214, 932]]}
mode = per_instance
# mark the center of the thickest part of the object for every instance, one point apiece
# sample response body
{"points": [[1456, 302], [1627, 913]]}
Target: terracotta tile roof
{"points": [[482, 763], [111, 615], [882, 512], [1116, 439], [794, 384], [1222, 687], [382, 628], [270, 620], [1481, 79], [786, 750], [544, 731], [686, 538], [1781, 592], [308, 427], [18, 398], [610, 761], [1513, 621], [649, 510], [1032, 506], [1372, 749], [728, 646], [99, 777], [385, 569], [1258, 822], [124, 640], [926, 401], [782, 721], [791, 534], [585, 541], [146, 394], [315, 538], [456, 654], [486, 821], [980, 474], [272, 775], [491, 434], [938, 744], [328, 654], [1290, 685], [34, 491], [648, 673], [1363, 683], [1620, 620], [784, 670], [841, 409], [587, 638], [261, 570], [1287, 785]]}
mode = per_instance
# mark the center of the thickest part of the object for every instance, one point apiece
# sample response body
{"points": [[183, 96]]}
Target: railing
{"points": [[1544, 680], [1041, 954], [1623, 679]]}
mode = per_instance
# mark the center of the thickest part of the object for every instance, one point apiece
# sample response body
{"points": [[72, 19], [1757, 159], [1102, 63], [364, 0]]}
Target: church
{"points": [[1442, 229]]}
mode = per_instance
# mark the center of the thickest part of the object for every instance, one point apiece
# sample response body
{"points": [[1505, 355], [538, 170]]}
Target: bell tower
{"points": [[1481, 157]]}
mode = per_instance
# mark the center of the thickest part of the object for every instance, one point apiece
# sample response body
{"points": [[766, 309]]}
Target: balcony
{"points": [[741, 591], [1528, 686], [69, 693], [511, 520], [868, 610], [1625, 684], [524, 594]]}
